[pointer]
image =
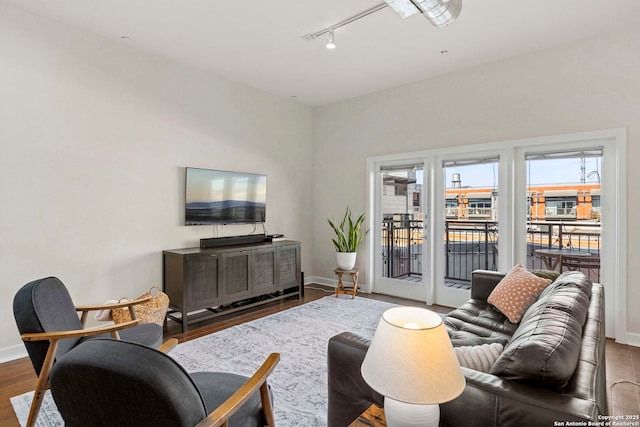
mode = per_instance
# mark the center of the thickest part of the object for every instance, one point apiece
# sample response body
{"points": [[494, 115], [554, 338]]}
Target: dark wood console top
{"points": [[197, 250]]}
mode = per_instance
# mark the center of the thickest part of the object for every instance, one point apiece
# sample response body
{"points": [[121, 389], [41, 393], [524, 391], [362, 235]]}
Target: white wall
{"points": [[584, 86], [94, 138]]}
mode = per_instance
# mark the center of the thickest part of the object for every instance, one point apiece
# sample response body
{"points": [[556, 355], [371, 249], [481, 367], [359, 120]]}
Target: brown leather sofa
{"points": [[552, 368]]}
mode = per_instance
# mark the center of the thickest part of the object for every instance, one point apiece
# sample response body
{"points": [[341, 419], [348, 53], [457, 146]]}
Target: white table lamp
{"points": [[411, 362]]}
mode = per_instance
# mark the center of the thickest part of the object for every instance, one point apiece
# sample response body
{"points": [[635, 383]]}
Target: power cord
{"points": [[625, 381], [319, 289]]}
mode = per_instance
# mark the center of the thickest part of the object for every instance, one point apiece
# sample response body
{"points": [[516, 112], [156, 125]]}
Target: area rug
{"points": [[299, 334]]}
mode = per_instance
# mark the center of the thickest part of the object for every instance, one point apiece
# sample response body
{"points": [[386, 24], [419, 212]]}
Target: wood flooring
{"points": [[623, 362]]}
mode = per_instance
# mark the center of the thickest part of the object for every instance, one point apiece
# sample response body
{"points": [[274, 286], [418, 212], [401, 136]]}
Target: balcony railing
{"points": [[471, 245], [479, 212], [401, 248]]}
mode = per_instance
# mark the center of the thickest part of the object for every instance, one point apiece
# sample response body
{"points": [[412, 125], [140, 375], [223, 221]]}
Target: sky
{"points": [[550, 171]]}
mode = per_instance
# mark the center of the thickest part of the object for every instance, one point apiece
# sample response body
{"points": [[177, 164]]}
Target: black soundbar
{"points": [[216, 242]]}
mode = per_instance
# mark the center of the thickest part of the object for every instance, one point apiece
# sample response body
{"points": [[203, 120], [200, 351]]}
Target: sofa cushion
{"points": [[546, 274], [516, 292], [477, 322], [478, 357], [546, 346]]}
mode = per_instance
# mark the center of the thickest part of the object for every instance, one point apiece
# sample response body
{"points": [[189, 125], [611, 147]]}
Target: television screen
{"points": [[222, 197]]}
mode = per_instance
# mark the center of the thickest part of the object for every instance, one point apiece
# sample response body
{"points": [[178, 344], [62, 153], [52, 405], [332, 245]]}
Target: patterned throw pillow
{"points": [[478, 357], [516, 292]]}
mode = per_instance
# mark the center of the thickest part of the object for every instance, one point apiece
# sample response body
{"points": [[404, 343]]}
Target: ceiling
{"points": [[260, 43]]}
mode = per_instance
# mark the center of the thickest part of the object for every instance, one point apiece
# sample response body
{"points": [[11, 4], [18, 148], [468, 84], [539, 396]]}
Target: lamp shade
{"points": [[411, 358]]}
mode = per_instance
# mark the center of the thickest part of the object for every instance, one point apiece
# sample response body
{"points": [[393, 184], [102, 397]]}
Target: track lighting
{"points": [[330, 44], [440, 13]]}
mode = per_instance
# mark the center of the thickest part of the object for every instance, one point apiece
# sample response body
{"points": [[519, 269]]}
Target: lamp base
{"points": [[400, 414]]}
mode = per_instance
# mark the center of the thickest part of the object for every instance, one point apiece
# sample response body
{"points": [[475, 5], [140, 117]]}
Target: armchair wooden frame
{"points": [[43, 383], [219, 417]]}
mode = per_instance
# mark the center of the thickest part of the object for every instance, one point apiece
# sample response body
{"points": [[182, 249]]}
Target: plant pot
{"points": [[346, 260]]}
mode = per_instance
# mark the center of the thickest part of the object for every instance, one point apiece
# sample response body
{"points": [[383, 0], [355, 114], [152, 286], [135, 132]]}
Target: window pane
{"points": [[402, 222], [471, 214], [563, 197]]}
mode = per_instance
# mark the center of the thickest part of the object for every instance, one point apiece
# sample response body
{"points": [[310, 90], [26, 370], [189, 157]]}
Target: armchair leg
{"points": [[36, 403], [43, 384], [267, 407]]}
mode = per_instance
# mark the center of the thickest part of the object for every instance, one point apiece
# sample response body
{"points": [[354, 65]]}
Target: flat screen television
{"points": [[223, 197]]}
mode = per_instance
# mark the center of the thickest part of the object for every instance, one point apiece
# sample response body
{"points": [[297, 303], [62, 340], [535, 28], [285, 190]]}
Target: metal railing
{"points": [[479, 212], [401, 248], [583, 237], [471, 245]]}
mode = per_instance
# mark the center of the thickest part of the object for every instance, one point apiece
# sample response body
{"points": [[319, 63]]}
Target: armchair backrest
{"points": [[105, 382], [45, 305]]}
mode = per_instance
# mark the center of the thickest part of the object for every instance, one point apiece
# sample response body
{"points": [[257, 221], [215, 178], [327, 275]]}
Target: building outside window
{"points": [[560, 204]]}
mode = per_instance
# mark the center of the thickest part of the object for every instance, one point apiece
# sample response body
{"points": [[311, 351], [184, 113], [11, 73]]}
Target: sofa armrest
{"points": [[349, 394], [483, 282], [495, 401]]}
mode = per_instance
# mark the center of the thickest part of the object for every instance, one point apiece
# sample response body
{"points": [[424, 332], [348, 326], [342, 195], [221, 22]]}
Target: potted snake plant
{"points": [[349, 237]]}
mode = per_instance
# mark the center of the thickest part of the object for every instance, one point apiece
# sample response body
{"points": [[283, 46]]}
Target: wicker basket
{"points": [[152, 311]]}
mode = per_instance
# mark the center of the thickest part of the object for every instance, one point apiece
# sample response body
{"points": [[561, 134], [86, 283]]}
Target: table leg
{"points": [[354, 277], [340, 288], [551, 262]]}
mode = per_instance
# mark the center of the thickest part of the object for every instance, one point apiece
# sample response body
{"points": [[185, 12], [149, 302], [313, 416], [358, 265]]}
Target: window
{"points": [[401, 189], [557, 208], [480, 208], [451, 207], [522, 198]]}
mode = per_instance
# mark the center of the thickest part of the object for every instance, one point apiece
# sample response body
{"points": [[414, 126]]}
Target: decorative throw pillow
{"points": [[478, 357], [516, 292]]}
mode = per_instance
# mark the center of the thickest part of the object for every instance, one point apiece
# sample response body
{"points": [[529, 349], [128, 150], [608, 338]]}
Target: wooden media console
{"points": [[203, 283]]}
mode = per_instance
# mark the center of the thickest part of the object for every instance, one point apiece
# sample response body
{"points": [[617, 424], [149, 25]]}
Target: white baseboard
{"points": [[633, 339], [8, 354]]}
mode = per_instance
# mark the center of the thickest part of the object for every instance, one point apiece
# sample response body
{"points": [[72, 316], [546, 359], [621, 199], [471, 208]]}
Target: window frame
{"points": [[513, 210]]}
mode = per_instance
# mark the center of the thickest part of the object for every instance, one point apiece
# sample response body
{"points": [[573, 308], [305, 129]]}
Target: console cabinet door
{"points": [[236, 276], [288, 266], [263, 266], [202, 281]]}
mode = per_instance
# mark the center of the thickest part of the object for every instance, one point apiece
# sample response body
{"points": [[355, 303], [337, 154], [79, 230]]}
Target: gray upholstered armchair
{"points": [[104, 383], [50, 326]]}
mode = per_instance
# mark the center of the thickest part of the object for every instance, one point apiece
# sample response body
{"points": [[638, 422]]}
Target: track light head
{"points": [[330, 44]]}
